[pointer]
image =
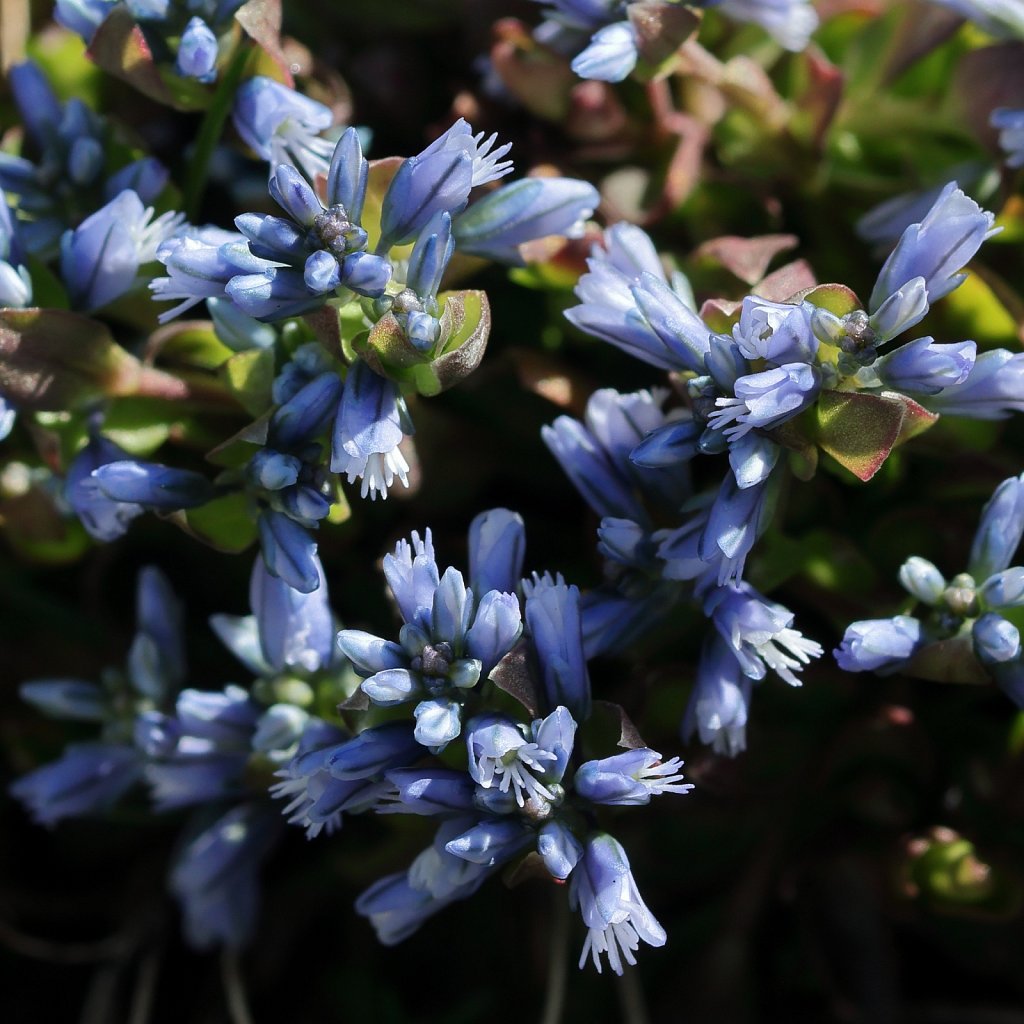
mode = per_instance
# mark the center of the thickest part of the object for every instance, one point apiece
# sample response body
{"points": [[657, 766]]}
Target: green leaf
{"points": [[975, 311], [948, 661], [227, 523], [237, 450], [858, 430], [191, 343], [836, 298], [249, 376], [36, 529], [140, 425], [54, 359], [378, 180], [467, 316]]}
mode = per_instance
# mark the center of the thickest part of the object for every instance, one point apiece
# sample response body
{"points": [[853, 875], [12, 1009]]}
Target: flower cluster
{"points": [[64, 174], [328, 418], [965, 615], [187, 33], [605, 38], [522, 790], [213, 753], [788, 378]]}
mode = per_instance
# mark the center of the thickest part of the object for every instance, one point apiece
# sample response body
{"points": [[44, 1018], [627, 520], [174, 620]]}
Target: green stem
{"points": [[631, 998], [234, 987], [210, 131], [149, 382], [558, 955]]}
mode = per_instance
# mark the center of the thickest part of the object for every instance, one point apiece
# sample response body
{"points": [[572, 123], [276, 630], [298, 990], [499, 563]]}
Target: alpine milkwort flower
{"points": [[963, 617], [607, 45], [1011, 134], [1003, 18], [90, 777], [66, 177], [287, 632], [450, 640], [187, 30], [603, 889], [520, 795], [438, 180], [370, 425], [15, 280], [282, 126], [100, 259]]}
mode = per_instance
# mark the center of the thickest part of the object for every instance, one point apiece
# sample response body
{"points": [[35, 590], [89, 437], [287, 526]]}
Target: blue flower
{"points": [[999, 531], [936, 249], [91, 777], [879, 645], [529, 209], [214, 875], [200, 261], [282, 126], [610, 56], [555, 628], [438, 179], [789, 22], [100, 259], [720, 701], [922, 367], [522, 762], [87, 779], [1011, 134], [497, 547], [629, 779], [151, 485], [617, 919], [104, 518], [288, 630], [626, 300], [66, 180], [758, 632], [197, 52], [333, 774], [1002, 18], [398, 904], [993, 389], [450, 639], [370, 425]]}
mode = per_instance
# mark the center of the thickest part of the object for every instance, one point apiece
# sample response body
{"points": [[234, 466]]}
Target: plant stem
{"points": [[554, 996], [234, 987], [210, 131]]}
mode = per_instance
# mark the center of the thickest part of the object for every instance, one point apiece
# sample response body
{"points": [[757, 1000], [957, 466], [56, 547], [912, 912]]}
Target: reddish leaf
{"points": [[984, 79], [120, 48], [720, 314], [823, 94], [261, 22], [516, 675], [629, 735], [858, 430], [53, 359], [787, 281], [660, 29], [745, 258]]}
